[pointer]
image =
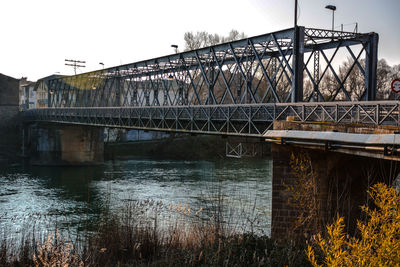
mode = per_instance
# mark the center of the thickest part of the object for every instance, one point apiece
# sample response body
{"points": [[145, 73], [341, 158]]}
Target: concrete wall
{"points": [[55, 144], [341, 188], [9, 122]]}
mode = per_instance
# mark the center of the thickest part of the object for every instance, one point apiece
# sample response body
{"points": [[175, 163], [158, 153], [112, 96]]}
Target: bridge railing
{"points": [[244, 120]]}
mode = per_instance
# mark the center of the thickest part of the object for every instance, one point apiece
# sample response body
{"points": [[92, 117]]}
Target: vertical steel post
{"points": [[248, 87], [49, 88], [211, 86], [298, 65], [316, 76], [371, 63], [167, 84], [118, 88]]}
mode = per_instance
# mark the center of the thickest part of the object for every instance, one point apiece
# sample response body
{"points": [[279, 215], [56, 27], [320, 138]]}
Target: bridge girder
{"points": [[251, 120]]}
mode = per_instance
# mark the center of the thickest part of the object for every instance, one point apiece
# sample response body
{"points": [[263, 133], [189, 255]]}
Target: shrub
{"points": [[55, 252], [378, 243]]}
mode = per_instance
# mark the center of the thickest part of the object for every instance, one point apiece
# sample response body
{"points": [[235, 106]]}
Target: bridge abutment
{"points": [[55, 144], [302, 206]]}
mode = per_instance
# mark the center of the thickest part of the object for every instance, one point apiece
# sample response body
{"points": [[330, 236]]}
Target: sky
{"points": [[38, 35]]}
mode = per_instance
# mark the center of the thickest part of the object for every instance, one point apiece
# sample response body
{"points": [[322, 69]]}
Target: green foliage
{"points": [[379, 240]]}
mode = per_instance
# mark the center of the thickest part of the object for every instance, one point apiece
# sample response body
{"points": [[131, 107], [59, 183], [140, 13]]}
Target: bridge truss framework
{"points": [[270, 68], [235, 88]]}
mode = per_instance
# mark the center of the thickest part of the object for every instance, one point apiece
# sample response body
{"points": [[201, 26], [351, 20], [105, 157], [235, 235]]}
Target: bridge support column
{"points": [[55, 144], [340, 187]]}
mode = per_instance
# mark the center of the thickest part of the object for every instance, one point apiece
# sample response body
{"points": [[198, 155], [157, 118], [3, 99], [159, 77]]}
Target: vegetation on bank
{"points": [[127, 239], [139, 236], [378, 241]]}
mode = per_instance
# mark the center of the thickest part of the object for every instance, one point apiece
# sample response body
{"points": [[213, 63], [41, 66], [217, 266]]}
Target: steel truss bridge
{"points": [[235, 88]]}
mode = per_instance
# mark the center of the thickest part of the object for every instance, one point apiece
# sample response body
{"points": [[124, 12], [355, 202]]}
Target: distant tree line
{"points": [[203, 39], [354, 83]]}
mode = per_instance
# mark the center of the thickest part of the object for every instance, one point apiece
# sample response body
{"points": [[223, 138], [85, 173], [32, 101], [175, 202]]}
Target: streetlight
{"points": [[101, 63], [174, 46], [333, 8]]}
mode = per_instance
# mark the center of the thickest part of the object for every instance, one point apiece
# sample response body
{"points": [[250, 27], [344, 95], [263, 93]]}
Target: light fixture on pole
{"points": [[101, 63], [333, 8], [174, 46]]}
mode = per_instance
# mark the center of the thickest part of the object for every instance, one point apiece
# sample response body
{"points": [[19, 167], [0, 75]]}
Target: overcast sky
{"points": [[37, 35]]}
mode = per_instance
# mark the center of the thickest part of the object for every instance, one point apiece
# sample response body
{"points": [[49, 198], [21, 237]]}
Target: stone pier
{"points": [[57, 144], [340, 187]]}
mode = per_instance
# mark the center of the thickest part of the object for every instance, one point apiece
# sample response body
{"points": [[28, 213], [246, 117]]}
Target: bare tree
{"points": [[328, 86], [229, 88], [385, 75], [233, 36], [202, 39], [352, 78]]}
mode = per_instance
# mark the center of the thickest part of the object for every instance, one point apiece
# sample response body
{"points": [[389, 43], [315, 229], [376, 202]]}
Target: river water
{"points": [[70, 198]]}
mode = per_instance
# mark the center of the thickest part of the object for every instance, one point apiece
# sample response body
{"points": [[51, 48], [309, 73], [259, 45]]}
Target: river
{"points": [[71, 198]]}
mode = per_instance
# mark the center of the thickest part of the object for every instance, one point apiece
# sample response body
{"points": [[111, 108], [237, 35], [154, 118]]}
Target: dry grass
{"points": [[135, 237], [56, 252]]}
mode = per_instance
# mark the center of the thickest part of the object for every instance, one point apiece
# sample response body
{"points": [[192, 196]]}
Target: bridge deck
{"points": [[243, 120]]}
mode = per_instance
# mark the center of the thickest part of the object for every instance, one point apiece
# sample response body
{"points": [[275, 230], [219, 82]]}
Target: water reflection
{"points": [[73, 198]]}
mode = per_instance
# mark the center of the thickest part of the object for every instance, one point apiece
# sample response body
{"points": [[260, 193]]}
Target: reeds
{"points": [[137, 236]]}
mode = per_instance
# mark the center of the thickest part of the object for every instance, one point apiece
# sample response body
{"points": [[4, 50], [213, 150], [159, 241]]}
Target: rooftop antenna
{"points": [[75, 64]]}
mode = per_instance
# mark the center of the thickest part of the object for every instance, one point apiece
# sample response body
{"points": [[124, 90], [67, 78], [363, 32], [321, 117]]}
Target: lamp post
{"points": [[102, 64], [333, 8], [175, 47]]}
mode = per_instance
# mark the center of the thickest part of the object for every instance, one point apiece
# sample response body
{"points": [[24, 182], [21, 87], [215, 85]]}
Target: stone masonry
{"points": [[341, 185]]}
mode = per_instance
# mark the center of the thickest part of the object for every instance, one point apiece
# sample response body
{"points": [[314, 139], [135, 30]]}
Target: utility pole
{"points": [[75, 64]]}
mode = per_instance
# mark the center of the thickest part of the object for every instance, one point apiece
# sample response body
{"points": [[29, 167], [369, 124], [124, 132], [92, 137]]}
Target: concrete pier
{"points": [[55, 144]]}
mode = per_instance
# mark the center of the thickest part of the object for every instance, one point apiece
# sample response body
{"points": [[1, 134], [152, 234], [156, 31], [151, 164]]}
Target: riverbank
{"points": [[136, 237], [181, 147]]}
